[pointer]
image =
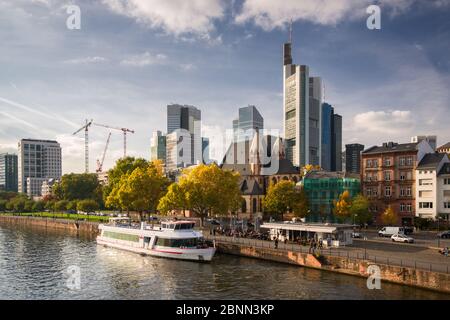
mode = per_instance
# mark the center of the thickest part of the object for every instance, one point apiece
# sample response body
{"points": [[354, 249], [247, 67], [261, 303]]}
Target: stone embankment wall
{"points": [[357, 267], [64, 224]]}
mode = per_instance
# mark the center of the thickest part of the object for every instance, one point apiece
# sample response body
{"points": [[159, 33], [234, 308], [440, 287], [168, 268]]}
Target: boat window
{"points": [[163, 225], [177, 243]]}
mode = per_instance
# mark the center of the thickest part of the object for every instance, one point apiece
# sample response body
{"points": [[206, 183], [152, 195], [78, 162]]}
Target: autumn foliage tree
{"points": [[139, 190], [283, 197], [342, 205], [389, 217], [359, 209], [203, 189]]}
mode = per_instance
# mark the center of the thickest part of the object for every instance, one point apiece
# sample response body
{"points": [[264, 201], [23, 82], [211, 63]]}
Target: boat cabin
{"points": [[177, 225]]}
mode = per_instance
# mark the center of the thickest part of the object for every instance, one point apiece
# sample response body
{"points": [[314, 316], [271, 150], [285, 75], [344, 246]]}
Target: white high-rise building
{"points": [[38, 160], [302, 104]]}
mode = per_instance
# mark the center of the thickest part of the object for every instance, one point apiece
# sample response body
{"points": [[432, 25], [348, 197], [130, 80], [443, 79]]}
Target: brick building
{"points": [[388, 178]]}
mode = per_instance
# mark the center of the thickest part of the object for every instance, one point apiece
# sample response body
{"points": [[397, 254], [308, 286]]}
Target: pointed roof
{"points": [[250, 187], [431, 160]]}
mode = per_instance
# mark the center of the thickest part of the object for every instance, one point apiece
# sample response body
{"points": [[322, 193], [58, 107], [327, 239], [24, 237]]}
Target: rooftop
{"points": [[445, 169], [391, 147], [431, 160], [445, 146], [321, 174]]}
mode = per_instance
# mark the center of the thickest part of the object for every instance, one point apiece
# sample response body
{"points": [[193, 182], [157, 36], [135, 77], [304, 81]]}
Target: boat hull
{"points": [[204, 254]]}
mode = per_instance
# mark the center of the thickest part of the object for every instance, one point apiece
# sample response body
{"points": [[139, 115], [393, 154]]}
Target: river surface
{"points": [[35, 264]]}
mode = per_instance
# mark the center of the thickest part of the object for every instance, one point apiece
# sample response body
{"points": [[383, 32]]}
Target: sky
{"points": [[131, 58]]}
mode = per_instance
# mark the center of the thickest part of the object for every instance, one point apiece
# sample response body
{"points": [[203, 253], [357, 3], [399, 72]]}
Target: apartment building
{"points": [[433, 186], [388, 178]]}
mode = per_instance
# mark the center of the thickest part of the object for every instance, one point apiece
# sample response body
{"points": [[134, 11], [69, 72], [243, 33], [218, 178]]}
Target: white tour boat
{"points": [[175, 239]]}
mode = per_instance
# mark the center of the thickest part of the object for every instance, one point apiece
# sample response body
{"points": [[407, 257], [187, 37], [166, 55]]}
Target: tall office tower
{"points": [[353, 157], [205, 150], [178, 150], [336, 147], [38, 160], [158, 146], [315, 123], [248, 122], [186, 118], [8, 172], [432, 140], [326, 136]]}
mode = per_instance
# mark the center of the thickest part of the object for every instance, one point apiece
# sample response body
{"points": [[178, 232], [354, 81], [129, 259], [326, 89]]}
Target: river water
{"points": [[35, 264]]}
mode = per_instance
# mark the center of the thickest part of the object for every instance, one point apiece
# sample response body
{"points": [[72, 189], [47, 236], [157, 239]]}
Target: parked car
{"points": [[444, 235], [400, 237], [390, 231], [356, 235]]}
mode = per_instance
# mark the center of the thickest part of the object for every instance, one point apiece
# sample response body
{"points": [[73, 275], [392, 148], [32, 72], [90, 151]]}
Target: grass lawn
{"points": [[59, 215]]}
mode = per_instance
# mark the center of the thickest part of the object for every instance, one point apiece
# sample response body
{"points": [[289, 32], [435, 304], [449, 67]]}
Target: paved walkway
{"points": [[407, 255]]}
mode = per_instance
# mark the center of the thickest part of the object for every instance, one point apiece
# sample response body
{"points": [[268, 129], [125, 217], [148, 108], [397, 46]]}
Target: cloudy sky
{"points": [[133, 57]]}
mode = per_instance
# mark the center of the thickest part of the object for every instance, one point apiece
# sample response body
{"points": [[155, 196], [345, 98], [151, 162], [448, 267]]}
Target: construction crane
{"points": [[100, 163], [124, 130], [86, 142]]}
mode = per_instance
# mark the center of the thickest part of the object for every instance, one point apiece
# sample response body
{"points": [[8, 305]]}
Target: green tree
{"points": [[140, 190], [359, 209], [204, 189], [3, 205], [283, 197], [50, 205], [72, 205], [389, 217], [19, 204], [28, 206], [75, 186], [87, 205], [38, 206], [61, 205]]}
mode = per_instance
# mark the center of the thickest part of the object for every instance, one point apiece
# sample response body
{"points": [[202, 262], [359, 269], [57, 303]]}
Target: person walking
{"points": [[276, 243]]}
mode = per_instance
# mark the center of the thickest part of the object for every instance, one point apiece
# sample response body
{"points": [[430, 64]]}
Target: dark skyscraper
{"points": [[336, 163], [353, 157], [8, 172], [331, 139]]}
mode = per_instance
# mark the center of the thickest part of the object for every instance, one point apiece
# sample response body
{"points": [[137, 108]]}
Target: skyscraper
{"points": [[353, 157], [205, 150], [249, 121], [38, 160], [336, 147], [331, 139], [158, 146], [186, 119], [8, 172], [302, 101]]}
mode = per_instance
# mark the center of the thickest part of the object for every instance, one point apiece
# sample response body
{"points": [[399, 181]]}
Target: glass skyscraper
{"points": [[248, 122]]}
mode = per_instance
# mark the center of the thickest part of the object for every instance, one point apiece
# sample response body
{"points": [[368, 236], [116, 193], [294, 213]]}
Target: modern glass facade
{"points": [[8, 172], [248, 122], [323, 188], [158, 147], [327, 112]]}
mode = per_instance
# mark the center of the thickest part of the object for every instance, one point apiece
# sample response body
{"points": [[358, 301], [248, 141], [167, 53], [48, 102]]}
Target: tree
{"points": [[389, 217], [204, 189], [123, 167], [38, 206], [342, 205], [282, 197], [72, 205], [3, 205], [139, 190], [19, 204], [78, 186], [87, 205], [28, 206], [50, 205], [61, 205], [359, 209]]}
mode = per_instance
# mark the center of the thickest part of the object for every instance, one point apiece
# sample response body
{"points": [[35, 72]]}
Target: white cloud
{"points": [[269, 14], [144, 59], [175, 16], [86, 60], [384, 122]]}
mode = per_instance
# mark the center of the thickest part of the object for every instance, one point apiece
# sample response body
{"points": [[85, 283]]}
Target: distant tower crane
{"points": [[86, 143], [100, 163], [124, 130]]}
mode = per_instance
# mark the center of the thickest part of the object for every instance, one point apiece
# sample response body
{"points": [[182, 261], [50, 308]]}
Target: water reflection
{"points": [[34, 262]]}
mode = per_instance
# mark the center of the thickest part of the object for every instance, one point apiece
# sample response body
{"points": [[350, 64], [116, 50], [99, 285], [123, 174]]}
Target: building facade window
{"points": [[426, 205], [387, 191]]}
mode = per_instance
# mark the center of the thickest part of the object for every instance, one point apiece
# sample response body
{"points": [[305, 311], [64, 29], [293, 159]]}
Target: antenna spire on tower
{"points": [[290, 31]]}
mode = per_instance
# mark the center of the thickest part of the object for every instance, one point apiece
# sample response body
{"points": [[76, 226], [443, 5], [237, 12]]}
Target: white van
{"points": [[390, 231]]}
